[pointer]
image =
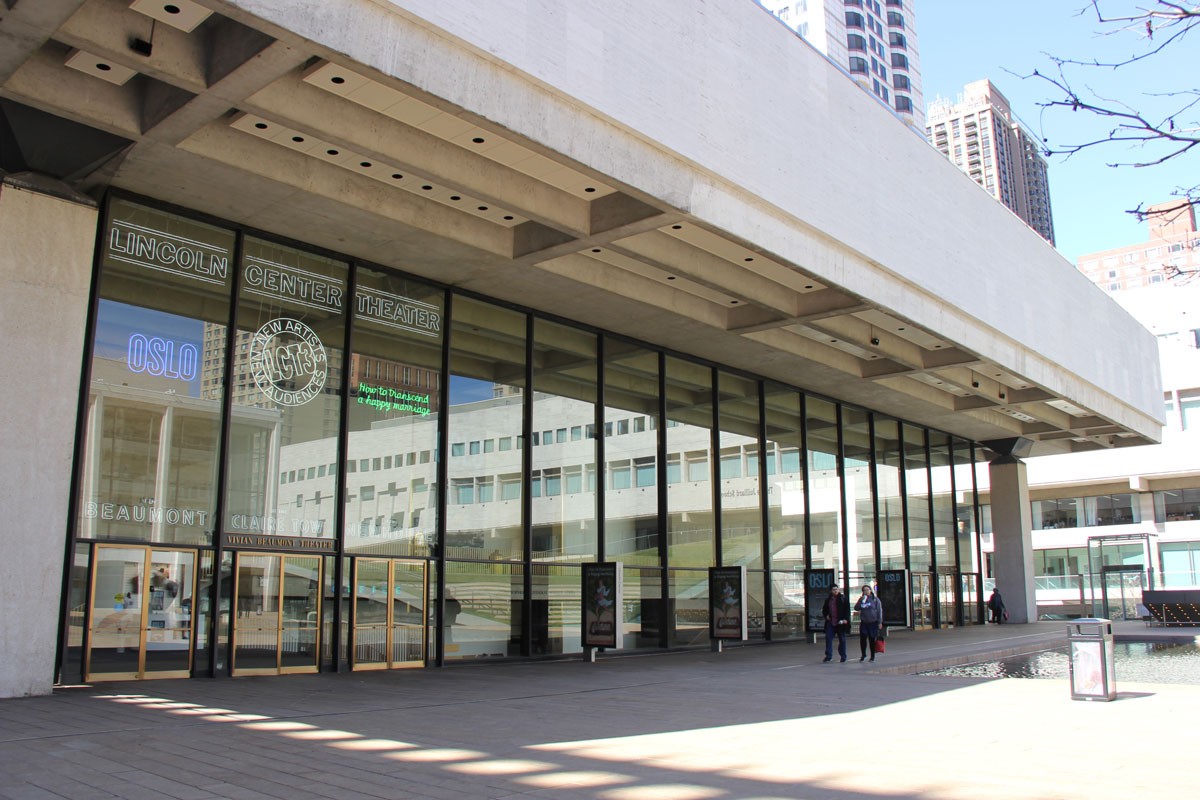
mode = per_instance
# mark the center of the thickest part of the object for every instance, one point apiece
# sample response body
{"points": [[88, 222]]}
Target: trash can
{"points": [[1090, 643]]}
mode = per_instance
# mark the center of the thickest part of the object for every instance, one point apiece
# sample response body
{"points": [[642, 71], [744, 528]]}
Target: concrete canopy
{"points": [[690, 174]]}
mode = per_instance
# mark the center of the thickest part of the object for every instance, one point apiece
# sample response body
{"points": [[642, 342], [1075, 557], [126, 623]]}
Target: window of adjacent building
{"points": [[858, 65], [899, 61], [1177, 504], [1190, 412], [896, 39], [903, 103], [855, 42], [895, 19], [854, 20]]}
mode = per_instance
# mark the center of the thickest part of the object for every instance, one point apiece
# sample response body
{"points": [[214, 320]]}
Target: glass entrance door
{"points": [[391, 600], [922, 600], [1122, 590], [947, 593], [141, 613], [277, 621], [968, 587]]}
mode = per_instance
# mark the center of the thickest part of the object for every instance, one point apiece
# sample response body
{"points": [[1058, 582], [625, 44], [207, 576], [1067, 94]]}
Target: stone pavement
{"points": [[751, 723]]}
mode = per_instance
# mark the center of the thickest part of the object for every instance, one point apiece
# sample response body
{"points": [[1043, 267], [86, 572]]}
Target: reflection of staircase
{"points": [[1173, 607]]}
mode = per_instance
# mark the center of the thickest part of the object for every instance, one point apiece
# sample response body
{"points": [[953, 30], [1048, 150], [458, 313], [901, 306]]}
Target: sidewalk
{"points": [[751, 722]]}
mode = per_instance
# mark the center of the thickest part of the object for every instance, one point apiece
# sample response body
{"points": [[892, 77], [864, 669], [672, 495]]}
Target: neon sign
{"points": [[385, 399], [288, 362], [164, 357]]}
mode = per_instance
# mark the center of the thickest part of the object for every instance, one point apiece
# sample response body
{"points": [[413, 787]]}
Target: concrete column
{"points": [[45, 270], [1012, 532]]}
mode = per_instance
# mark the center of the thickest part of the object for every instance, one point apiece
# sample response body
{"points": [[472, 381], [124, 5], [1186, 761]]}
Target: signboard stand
{"points": [[817, 585], [726, 606], [603, 603], [893, 593]]}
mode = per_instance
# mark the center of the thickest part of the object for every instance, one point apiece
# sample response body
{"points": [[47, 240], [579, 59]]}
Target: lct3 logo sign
{"points": [[288, 362]]}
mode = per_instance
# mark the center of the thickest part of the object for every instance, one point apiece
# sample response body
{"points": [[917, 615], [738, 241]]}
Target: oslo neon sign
{"points": [[157, 356]]}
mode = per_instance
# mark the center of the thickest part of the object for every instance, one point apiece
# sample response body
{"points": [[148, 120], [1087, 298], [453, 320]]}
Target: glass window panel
{"points": [[564, 395], [286, 380], [555, 610], [916, 474], [741, 514], [689, 504], [825, 485], [860, 519], [644, 608], [787, 605], [888, 466], [158, 374], [785, 486], [631, 532], [483, 609], [964, 507], [941, 470], [689, 598], [398, 327], [487, 379]]}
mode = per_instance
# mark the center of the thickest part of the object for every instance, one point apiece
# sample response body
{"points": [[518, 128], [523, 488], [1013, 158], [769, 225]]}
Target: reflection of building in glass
{"points": [[985, 139]]}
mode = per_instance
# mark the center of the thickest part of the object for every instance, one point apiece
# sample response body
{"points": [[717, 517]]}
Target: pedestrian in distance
{"points": [[837, 622], [870, 618], [995, 604]]}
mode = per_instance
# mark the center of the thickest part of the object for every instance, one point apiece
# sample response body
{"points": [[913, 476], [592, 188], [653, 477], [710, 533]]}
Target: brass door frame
{"points": [[390, 622], [923, 590], [279, 668], [147, 551]]}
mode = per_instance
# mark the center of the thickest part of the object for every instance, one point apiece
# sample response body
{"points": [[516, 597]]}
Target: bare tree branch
{"points": [[1141, 125]]}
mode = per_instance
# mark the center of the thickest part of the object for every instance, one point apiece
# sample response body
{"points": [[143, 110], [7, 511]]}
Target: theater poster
{"points": [[817, 586], [727, 597], [603, 593]]}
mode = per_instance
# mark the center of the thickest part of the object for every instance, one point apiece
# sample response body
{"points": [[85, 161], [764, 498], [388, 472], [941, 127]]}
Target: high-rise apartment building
{"points": [[1171, 250], [981, 134], [876, 40]]}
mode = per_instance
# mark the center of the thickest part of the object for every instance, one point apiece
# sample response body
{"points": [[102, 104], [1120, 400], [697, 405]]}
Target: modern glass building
{"points": [[291, 460], [347, 334]]}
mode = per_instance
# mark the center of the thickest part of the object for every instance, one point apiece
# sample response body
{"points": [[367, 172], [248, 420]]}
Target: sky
{"points": [[961, 41]]}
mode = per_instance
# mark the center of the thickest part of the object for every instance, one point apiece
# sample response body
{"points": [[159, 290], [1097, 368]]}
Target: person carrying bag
{"points": [[870, 620]]}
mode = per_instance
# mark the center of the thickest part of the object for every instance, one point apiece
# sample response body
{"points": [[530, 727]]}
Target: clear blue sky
{"points": [[966, 40]]}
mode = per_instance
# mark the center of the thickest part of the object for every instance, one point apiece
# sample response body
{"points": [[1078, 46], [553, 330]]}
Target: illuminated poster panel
{"points": [[727, 592], [603, 594]]}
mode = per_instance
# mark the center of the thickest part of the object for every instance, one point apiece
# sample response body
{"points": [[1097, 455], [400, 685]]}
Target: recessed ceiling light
{"points": [[483, 208], [478, 140], [676, 227], [427, 188]]}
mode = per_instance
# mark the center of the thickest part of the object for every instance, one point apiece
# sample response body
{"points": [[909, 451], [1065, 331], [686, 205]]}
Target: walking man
{"points": [[837, 622]]}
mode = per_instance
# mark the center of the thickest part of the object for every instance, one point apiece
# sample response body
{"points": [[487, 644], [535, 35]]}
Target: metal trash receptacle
{"points": [[1090, 647]]}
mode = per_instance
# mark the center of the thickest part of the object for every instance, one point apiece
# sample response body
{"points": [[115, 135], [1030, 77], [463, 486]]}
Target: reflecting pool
{"points": [[1139, 662]]}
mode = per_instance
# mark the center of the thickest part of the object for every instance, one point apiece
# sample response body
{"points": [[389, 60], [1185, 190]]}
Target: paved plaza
{"points": [[750, 723]]}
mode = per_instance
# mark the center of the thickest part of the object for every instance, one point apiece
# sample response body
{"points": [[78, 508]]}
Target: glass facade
{"points": [[294, 462]]}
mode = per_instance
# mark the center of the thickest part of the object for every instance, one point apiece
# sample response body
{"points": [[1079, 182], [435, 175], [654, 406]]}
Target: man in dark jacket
{"points": [[996, 605], [837, 622]]}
